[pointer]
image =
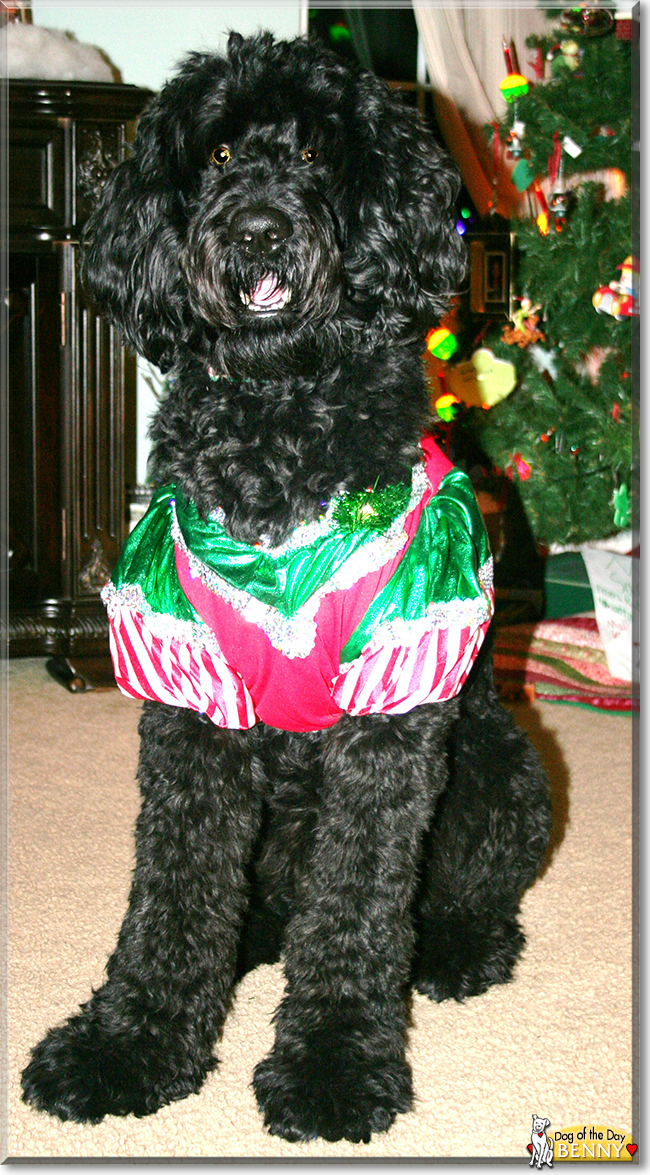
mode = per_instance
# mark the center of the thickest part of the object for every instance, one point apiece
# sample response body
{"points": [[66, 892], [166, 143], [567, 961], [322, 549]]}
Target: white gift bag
{"points": [[610, 576]]}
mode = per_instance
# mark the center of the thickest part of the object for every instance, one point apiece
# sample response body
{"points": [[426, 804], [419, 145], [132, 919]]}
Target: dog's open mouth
{"points": [[267, 297]]}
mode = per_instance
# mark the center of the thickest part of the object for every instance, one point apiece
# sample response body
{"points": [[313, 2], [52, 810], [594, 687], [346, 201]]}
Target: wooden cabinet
{"points": [[71, 395]]}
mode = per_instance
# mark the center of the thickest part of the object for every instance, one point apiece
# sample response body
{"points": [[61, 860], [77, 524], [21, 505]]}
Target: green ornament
{"points": [[621, 504], [441, 343], [522, 175], [514, 86]]}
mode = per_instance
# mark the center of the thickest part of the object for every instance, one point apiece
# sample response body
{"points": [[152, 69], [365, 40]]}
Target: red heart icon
{"points": [[530, 1147], [632, 1147]]}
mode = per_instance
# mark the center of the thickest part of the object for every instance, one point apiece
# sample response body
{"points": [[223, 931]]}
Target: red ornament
{"points": [[555, 158], [507, 54], [537, 63], [616, 413], [522, 467]]}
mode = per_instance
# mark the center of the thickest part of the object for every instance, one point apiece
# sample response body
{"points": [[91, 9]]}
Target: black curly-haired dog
{"points": [[280, 241]]}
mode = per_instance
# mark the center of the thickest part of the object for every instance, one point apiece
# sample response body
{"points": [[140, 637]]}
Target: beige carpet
{"points": [[557, 1041]]}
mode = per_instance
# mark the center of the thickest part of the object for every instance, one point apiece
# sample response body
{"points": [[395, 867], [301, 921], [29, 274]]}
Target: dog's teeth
{"points": [[266, 298]]}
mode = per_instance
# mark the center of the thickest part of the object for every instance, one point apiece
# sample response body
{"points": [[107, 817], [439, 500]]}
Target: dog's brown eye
{"points": [[220, 155], [309, 155]]}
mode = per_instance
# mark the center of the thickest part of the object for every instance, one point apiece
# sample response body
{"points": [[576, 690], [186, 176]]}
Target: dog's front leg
{"points": [[338, 1066], [146, 1036]]}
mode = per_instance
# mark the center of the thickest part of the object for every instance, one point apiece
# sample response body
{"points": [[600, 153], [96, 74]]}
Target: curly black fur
{"points": [[380, 852]]}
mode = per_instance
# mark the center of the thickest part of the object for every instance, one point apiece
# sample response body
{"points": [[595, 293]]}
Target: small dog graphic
{"points": [[542, 1146]]}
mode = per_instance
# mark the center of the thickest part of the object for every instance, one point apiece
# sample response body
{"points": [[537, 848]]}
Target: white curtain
{"points": [[464, 55]]}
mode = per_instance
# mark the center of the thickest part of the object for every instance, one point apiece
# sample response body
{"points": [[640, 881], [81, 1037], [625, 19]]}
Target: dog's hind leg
{"points": [[485, 848], [145, 1037], [338, 1067]]}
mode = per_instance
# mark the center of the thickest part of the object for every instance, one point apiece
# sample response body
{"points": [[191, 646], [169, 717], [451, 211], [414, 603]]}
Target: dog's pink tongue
{"points": [[267, 292]]}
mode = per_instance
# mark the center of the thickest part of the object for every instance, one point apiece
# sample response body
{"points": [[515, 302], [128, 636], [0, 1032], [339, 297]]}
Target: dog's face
{"points": [[276, 201], [266, 218]]}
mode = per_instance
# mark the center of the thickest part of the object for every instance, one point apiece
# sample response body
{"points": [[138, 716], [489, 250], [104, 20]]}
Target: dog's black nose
{"points": [[259, 230]]}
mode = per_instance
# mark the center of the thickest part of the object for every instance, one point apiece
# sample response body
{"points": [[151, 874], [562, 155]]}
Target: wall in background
{"points": [[145, 41]]}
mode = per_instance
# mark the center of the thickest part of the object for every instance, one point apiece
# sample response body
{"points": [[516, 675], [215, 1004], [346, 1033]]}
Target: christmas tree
{"points": [[566, 434]]}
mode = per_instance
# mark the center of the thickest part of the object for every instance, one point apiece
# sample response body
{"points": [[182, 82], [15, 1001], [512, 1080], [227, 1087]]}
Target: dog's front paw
{"points": [[463, 956], [80, 1072], [332, 1086]]}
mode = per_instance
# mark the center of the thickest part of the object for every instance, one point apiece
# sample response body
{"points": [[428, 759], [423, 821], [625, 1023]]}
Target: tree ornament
{"points": [[522, 175], [555, 159], [619, 297], [522, 467], [514, 86], [441, 343], [560, 198], [571, 54], [537, 62], [550, 58], [524, 329], [510, 55], [559, 203], [447, 407], [514, 139], [571, 147], [483, 380], [621, 504]]}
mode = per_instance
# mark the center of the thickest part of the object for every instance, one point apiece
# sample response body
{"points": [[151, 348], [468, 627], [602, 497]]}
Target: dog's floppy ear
{"points": [[131, 245], [402, 247]]}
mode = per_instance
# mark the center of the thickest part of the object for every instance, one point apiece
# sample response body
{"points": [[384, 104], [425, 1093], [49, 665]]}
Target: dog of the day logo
{"points": [[582, 1143]]}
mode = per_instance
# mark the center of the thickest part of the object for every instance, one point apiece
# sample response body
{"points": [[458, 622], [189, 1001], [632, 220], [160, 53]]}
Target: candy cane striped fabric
{"points": [[397, 677], [165, 668]]}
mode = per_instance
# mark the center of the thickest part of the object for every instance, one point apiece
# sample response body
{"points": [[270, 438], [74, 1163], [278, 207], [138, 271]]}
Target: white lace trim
{"points": [[160, 624]]}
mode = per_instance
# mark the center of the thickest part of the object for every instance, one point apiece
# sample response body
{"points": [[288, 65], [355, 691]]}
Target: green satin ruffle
{"points": [[440, 567], [441, 564], [148, 561]]}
